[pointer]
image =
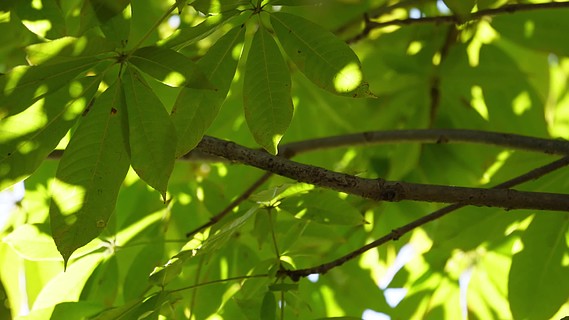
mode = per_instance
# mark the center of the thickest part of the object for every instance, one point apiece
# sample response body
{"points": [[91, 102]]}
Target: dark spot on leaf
{"points": [[9, 153], [298, 51], [113, 111]]}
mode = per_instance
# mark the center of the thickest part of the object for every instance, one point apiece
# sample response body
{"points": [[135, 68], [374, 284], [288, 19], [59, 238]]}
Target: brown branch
{"points": [[474, 16], [506, 140], [382, 190], [438, 136], [295, 275]]}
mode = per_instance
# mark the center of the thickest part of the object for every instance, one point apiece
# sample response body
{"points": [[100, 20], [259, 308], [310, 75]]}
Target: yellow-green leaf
{"points": [[90, 174], [267, 92], [152, 136]]}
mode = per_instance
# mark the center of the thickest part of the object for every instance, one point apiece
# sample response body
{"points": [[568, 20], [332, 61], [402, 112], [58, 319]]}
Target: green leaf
{"points": [[195, 109], [323, 206], [538, 30], [538, 284], [269, 306], [67, 49], [90, 174], [323, 58], [170, 67], [267, 92], [208, 6], [106, 9], [24, 85], [152, 137], [216, 241], [34, 242], [283, 287], [28, 137], [461, 8], [186, 36], [68, 284]]}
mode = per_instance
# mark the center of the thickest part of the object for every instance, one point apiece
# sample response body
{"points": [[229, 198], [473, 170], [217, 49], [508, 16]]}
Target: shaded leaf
{"points": [[268, 306], [90, 174], [28, 137], [106, 9], [267, 92], [24, 85], [323, 206], [152, 137], [186, 36], [209, 6], [170, 67], [195, 109], [538, 284], [323, 58], [537, 30], [461, 8]]}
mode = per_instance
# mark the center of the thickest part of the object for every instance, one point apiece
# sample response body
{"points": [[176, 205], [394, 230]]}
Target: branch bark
{"points": [[383, 190], [295, 275]]}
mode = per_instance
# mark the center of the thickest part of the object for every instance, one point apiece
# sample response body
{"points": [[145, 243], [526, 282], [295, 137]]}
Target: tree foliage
{"points": [[284, 159]]}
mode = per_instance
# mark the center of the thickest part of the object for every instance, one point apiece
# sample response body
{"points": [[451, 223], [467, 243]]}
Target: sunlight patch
{"points": [[521, 103], [529, 28], [39, 27], [414, 48], [348, 79], [174, 79], [500, 160], [478, 102]]}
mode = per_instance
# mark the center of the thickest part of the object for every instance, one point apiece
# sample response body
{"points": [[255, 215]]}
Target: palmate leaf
{"points": [[170, 67], [24, 85], [195, 109], [90, 174], [186, 36], [27, 138], [267, 91], [152, 136], [319, 55], [538, 284]]}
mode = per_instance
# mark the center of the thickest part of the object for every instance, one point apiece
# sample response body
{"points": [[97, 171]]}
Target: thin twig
{"points": [[382, 190], [295, 275], [438, 136], [246, 194], [511, 8]]}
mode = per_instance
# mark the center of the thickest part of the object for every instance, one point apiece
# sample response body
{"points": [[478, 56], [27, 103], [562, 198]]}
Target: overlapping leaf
{"points": [[322, 206], [189, 35], [267, 92], [538, 284], [90, 174], [22, 86], [323, 58], [195, 109], [152, 136], [170, 67], [27, 138]]}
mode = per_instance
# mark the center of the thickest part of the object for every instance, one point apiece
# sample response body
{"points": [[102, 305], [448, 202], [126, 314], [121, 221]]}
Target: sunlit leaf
{"points": [[538, 284], [195, 109], [68, 284], [152, 137], [90, 174], [28, 137], [34, 242], [322, 57], [24, 85], [267, 92], [170, 67]]}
